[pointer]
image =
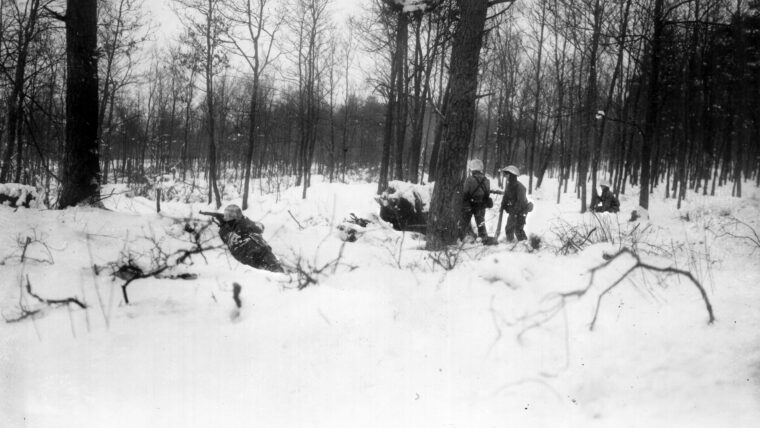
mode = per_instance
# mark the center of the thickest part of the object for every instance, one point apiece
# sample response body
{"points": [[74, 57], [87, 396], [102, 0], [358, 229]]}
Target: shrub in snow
{"points": [[17, 195], [405, 205]]}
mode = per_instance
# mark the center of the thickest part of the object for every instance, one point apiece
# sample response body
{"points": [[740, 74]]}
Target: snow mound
{"points": [[416, 194], [405, 205], [12, 193]]}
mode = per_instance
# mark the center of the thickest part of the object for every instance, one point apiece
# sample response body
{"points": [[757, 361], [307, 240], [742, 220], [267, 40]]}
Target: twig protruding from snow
{"points": [[66, 301], [295, 220]]}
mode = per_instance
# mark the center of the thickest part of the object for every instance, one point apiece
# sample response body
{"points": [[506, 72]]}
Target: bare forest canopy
{"points": [[653, 93]]}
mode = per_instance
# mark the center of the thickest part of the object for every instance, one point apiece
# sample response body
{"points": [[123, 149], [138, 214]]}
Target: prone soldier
{"points": [[243, 238]]}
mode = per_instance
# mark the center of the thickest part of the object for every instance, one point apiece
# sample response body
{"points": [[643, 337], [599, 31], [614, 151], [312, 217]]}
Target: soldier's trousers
{"points": [[254, 251], [515, 227], [480, 221]]}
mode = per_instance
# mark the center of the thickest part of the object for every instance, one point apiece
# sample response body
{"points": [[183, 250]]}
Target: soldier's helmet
{"points": [[604, 183], [232, 212], [475, 165], [511, 169]]}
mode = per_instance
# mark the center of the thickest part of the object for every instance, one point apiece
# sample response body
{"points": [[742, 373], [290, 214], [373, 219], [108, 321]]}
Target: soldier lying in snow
{"points": [[243, 238]]}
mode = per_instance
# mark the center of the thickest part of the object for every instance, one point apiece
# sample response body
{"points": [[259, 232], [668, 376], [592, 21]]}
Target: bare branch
{"points": [[66, 301]]}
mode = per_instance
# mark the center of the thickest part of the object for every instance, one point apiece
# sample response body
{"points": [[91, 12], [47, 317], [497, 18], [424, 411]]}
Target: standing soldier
{"points": [[515, 203], [606, 202], [476, 199]]}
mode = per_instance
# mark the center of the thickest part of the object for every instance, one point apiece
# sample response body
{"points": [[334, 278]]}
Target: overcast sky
{"points": [[167, 24]]}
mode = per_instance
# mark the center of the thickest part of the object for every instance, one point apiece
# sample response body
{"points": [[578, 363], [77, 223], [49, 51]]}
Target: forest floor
{"points": [[391, 335]]}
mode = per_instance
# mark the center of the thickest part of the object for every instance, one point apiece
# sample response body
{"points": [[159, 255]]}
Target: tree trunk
{"points": [[445, 218], [402, 40], [650, 128], [251, 139], [537, 101], [210, 105], [81, 166], [390, 108]]}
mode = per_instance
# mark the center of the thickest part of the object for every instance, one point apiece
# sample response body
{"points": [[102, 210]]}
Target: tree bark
{"points": [[81, 166], [445, 218]]}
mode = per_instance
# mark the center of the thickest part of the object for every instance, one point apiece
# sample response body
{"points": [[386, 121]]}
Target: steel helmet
{"points": [[475, 165], [232, 212], [511, 169], [604, 183]]}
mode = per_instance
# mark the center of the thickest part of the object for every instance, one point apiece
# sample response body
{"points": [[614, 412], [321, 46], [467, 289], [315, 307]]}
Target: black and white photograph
{"points": [[379, 213]]}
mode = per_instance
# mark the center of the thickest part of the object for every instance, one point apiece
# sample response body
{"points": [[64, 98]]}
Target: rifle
{"points": [[219, 217], [501, 215]]}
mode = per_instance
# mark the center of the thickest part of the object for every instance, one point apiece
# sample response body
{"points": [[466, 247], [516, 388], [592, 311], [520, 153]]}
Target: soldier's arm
{"points": [[251, 226]]}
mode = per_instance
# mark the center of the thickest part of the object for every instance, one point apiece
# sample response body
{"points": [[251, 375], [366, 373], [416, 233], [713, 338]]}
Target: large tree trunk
{"points": [[445, 216], [81, 167]]}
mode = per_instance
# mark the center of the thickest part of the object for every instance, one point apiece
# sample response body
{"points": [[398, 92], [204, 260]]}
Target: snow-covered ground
{"points": [[392, 335]]}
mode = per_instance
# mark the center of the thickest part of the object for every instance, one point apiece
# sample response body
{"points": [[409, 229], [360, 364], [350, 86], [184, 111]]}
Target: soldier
{"points": [[606, 202], [515, 203], [243, 238], [476, 199]]}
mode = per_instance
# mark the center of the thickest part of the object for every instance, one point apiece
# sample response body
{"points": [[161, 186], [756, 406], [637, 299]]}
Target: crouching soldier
{"points": [[606, 202], [475, 200], [243, 238], [515, 203]]}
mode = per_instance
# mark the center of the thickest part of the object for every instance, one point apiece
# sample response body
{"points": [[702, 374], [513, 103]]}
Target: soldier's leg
{"points": [[520, 228], [271, 263], [465, 227], [263, 258], [480, 220], [509, 230]]}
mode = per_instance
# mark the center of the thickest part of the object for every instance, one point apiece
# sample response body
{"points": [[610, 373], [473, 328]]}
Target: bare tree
{"points": [[123, 27], [309, 24], [257, 25], [26, 16], [206, 24]]}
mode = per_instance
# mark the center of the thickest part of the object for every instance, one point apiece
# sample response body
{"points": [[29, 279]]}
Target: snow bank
{"points": [[392, 335]]}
